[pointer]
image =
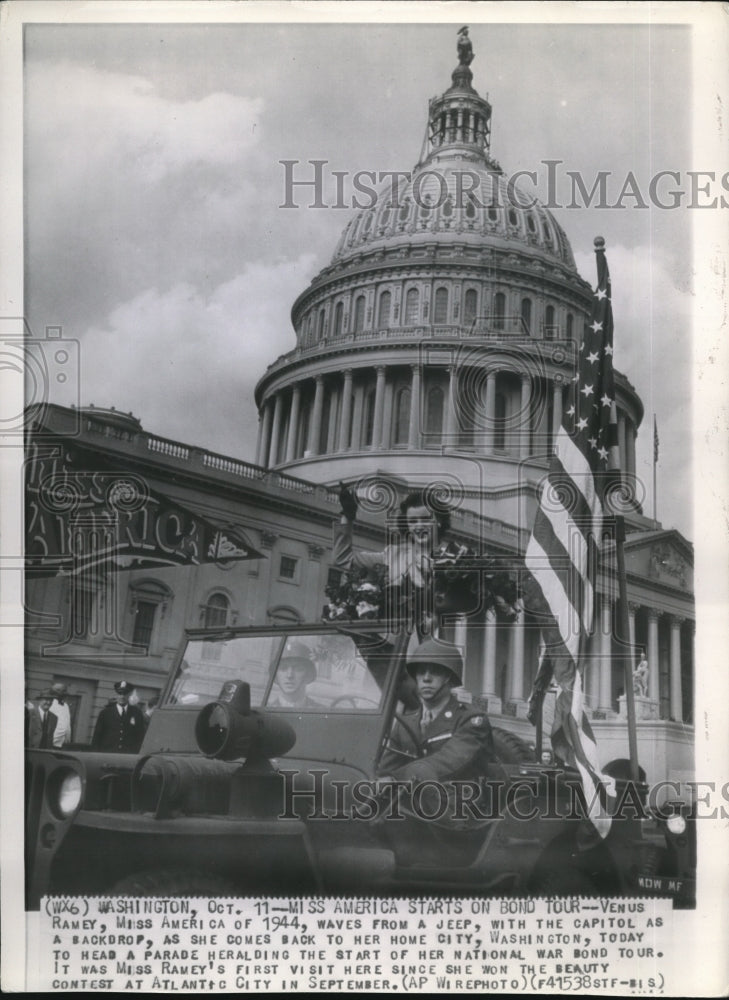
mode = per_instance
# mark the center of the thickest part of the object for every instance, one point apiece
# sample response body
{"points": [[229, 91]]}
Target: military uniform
{"points": [[117, 730], [456, 744]]}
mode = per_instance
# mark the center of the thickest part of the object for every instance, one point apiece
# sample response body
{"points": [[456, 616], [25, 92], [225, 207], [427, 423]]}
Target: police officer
{"points": [[120, 726]]}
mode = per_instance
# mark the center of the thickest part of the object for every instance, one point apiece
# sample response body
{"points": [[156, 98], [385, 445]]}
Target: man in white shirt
{"points": [[60, 709]]}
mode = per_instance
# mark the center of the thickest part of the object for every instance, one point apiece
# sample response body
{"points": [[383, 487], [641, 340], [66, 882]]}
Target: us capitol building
{"points": [[432, 350]]}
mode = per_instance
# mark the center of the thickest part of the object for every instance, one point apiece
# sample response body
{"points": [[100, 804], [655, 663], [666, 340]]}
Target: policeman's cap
{"points": [[123, 687]]}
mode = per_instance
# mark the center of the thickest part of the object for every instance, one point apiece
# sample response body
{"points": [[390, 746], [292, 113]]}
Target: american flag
{"points": [[563, 553]]}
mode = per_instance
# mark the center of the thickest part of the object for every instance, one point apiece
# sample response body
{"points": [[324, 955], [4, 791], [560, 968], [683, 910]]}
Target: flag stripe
{"points": [[563, 553]]}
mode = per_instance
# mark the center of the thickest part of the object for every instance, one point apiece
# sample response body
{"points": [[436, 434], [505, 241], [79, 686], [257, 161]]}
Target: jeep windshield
{"points": [[287, 672]]}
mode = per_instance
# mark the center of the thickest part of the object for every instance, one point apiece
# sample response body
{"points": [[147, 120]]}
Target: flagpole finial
{"points": [[599, 242]]}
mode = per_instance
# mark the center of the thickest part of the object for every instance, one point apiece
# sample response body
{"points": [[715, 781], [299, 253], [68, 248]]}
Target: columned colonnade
{"points": [[502, 658], [360, 408]]}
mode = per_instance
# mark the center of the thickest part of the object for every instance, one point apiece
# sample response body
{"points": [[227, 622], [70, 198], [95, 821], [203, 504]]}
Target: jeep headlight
{"points": [[64, 793], [676, 825]]}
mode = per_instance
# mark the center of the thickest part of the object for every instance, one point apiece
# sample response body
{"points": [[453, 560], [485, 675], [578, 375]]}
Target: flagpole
{"points": [[627, 653], [626, 649], [655, 466]]}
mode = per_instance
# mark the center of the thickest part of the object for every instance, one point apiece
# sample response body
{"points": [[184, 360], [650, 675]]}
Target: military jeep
{"points": [[243, 786]]}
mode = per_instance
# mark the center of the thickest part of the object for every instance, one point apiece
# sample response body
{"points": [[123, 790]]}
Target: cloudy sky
{"points": [[155, 238]]}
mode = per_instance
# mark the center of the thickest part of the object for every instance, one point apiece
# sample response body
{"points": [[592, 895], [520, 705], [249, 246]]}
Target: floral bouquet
{"points": [[463, 582], [358, 596]]}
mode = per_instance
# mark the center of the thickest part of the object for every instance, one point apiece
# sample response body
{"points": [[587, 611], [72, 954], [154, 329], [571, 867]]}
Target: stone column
{"points": [[488, 680], [622, 442], [346, 423], [357, 418], [525, 415], [451, 415], [556, 413], [333, 426], [632, 611], [606, 663], [263, 440], [676, 695], [387, 414], [379, 403], [293, 424], [630, 447], [490, 412], [414, 429], [315, 425], [654, 687], [276, 430]]}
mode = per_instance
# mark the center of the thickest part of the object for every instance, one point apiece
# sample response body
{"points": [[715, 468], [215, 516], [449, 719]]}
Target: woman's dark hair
{"points": [[424, 498]]}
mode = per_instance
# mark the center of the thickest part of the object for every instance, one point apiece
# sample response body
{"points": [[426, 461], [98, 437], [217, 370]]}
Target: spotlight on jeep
{"points": [[228, 729]]}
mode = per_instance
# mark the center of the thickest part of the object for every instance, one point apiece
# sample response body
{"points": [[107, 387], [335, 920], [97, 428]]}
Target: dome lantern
{"points": [[459, 116]]}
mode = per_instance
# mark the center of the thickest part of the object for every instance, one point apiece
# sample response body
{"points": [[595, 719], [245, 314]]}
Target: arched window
{"points": [[216, 611], [526, 315], [412, 307], [570, 325], [367, 224], [440, 314], [500, 421], [499, 310], [368, 418], [434, 414], [320, 326], [448, 207], [385, 216], [405, 210], [402, 416], [549, 323], [470, 208], [383, 311], [359, 314], [513, 218], [470, 302], [338, 319]]}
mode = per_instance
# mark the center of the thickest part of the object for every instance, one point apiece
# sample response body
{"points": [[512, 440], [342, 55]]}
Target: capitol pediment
{"points": [[662, 556]]}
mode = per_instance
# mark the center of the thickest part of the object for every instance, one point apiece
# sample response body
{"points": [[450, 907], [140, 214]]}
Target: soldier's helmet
{"points": [[299, 653], [439, 653]]}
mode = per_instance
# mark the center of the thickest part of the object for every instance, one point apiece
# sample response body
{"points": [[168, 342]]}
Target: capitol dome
{"points": [[439, 339], [456, 200]]}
